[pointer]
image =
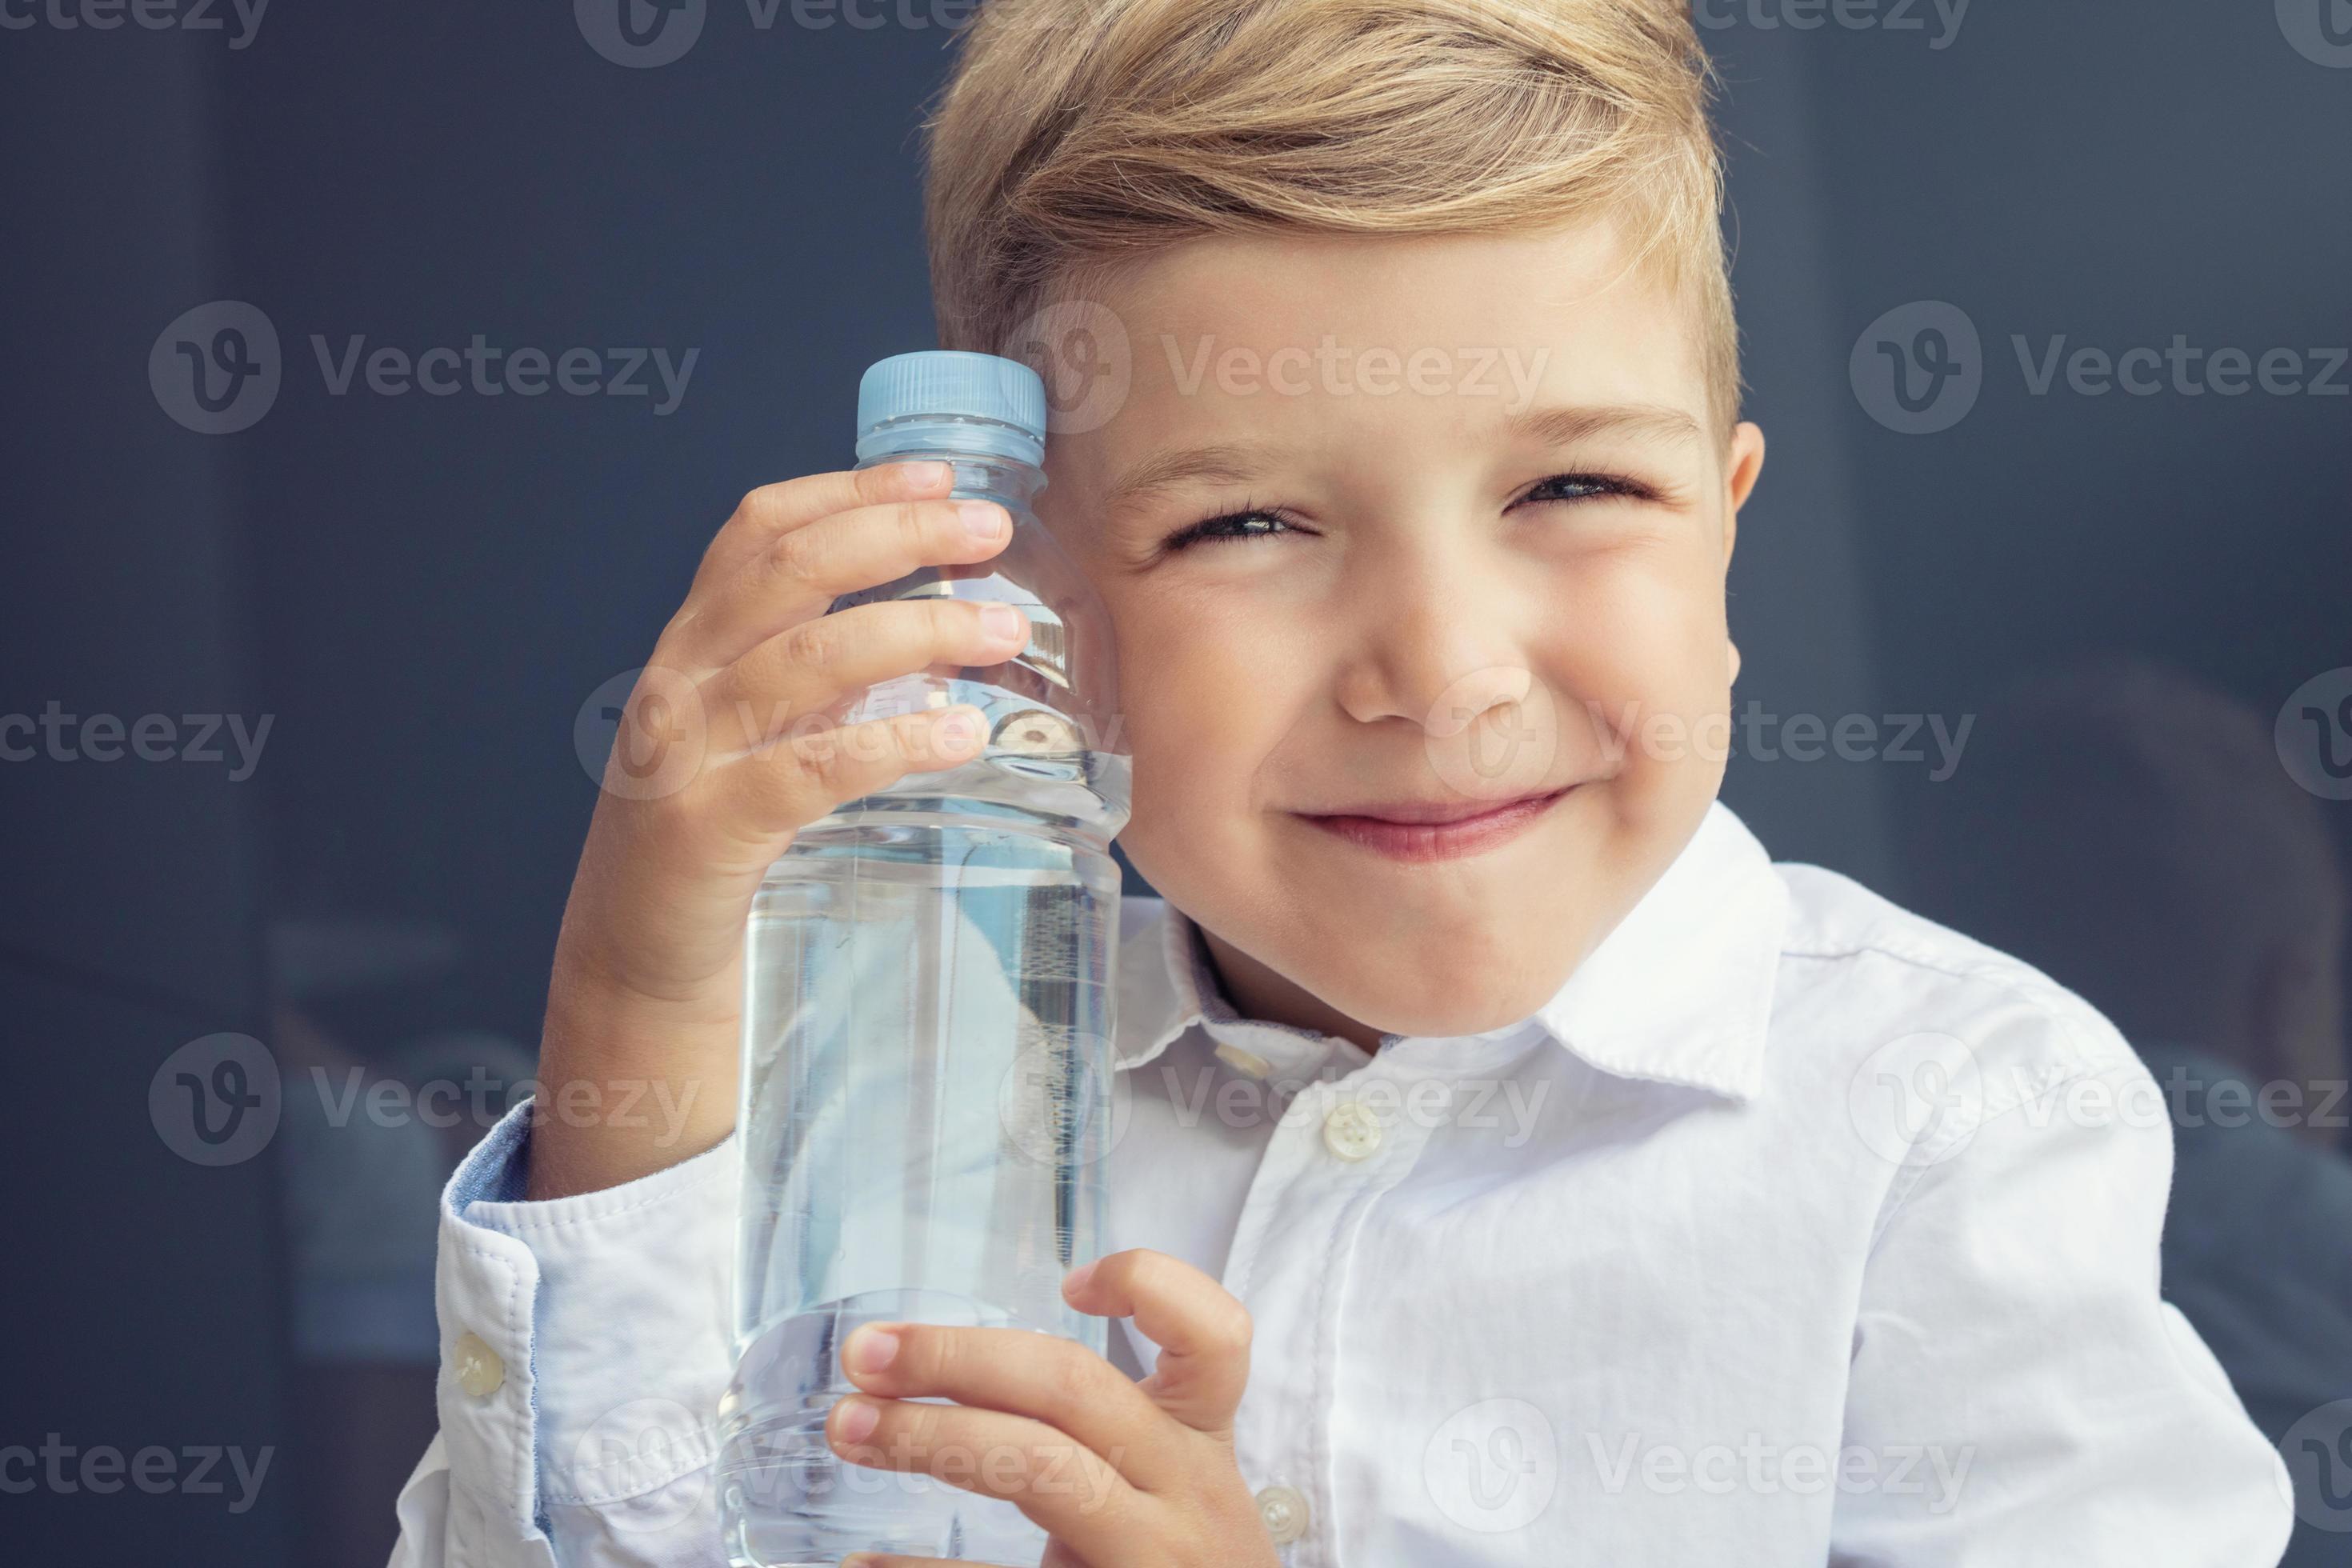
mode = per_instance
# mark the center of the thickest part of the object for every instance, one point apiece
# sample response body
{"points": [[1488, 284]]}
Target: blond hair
{"points": [[1074, 135]]}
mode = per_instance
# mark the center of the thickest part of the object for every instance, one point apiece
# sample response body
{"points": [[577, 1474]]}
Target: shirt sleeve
{"points": [[585, 1347], [2019, 1392]]}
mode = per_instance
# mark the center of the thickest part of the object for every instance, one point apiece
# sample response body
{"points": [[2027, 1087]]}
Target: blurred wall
{"points": [[2104, 177], [142, 1292]]}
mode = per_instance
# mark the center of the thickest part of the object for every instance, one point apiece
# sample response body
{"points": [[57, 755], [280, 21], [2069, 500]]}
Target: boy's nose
{"points": [[1471, 694], [1438, 665]]}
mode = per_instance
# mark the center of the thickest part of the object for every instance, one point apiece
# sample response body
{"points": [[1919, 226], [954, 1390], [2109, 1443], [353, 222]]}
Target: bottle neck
{"points": [[977, 434], [980, 475]]}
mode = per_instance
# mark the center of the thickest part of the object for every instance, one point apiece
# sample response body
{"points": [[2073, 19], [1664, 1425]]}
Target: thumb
{"points": [[1202, 1330]]}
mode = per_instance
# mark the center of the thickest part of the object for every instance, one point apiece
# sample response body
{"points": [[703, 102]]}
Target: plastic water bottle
{"points": [[926, 1020]]}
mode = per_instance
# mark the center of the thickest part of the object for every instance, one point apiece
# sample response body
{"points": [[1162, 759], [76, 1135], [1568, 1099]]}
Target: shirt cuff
{"points": [[585, 1343]]}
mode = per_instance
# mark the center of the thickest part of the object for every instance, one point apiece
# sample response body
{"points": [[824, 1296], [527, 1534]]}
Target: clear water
{"points": [[926, 1110]]}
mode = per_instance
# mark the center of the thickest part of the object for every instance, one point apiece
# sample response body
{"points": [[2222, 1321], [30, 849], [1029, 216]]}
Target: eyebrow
{"points": [[1233, 462], [1223, 462], [1566, 426]]}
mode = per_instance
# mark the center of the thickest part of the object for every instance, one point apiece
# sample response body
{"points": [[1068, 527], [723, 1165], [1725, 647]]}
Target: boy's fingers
{"points": [[804, 672], [1202, 1333], [784, 789], [1065, 1488], [771, 510], [804, 570], [1041, 1376]]}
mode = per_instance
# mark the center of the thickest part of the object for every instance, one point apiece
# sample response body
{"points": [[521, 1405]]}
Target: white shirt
{"points": [[1793, 1230]]}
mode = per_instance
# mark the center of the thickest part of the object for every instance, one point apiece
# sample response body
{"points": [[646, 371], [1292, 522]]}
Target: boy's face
{"points": [[1469, 524]]}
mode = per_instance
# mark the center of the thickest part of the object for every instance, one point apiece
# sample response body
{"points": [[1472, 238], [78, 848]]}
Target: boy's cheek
{"points": [[1186, 811], [1213, 713], [1628, 696]]}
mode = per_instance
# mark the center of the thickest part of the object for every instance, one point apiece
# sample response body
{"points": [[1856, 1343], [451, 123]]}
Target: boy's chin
{"points": [[1414, 1001]]}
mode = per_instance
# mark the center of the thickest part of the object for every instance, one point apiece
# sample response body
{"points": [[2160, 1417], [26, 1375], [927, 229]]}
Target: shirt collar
{"points": [[1679, 993]]}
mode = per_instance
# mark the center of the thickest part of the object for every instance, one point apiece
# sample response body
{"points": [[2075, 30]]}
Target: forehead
{"points": [[1398, 344]]}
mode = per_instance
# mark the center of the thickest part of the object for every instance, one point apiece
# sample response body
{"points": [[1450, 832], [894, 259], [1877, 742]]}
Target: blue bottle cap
{"points": [[950, 382]]}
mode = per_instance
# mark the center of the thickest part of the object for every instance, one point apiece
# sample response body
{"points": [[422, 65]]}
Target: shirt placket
{"points": [[1335, 1147]]}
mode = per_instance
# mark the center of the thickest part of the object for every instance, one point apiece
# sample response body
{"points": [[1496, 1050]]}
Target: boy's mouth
{"points": [[1434, 830]]}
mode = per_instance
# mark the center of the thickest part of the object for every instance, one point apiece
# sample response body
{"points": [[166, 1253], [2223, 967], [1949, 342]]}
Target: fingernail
{"points": [[857, 1419], [924, 475], [1002, 621], [870, 1349], [1078, 1277], [981, 518], [960, 731]]}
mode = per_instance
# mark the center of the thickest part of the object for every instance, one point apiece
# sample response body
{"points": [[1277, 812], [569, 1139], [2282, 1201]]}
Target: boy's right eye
{"points": [[1248, 524]]}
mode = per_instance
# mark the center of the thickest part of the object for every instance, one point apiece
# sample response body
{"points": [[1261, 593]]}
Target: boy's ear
{"points": [[1742, 467], [1745, 462]]}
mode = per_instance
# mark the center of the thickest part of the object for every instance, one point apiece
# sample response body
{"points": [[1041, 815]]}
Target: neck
{"points": [[1257, 992]]}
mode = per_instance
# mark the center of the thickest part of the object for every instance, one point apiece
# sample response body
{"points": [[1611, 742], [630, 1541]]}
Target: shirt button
{"points": [[1351, 1132], [1285, 1513], [1249, 1064], [479, 1370]]}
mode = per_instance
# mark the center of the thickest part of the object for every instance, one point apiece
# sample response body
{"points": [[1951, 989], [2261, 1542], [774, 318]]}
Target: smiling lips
{"points": [[1434, 830]]}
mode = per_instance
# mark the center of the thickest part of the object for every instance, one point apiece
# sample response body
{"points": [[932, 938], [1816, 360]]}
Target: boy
{"points": [[1579, 1188]]}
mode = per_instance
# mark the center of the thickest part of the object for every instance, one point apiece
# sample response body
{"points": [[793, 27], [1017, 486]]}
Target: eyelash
{"points": [[1595, 486]]}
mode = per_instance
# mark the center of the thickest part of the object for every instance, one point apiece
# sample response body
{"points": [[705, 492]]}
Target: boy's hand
{"points": [[1119, 1474], [737, 704]]}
